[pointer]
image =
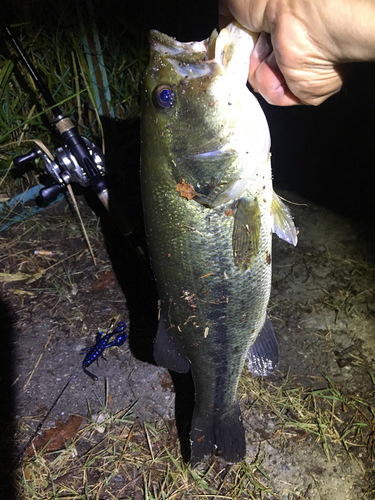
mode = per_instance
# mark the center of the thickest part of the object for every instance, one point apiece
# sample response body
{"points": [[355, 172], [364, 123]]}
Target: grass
{"points": [[116, 455], [54, 43], [325, 414], [122, 456]]}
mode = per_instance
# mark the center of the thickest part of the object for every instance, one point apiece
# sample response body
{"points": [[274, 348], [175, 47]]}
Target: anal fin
{"points": [[166, 353], [263, 356]]}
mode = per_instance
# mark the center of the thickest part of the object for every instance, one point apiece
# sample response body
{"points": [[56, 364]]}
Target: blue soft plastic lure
{"points": [[94, 352]]}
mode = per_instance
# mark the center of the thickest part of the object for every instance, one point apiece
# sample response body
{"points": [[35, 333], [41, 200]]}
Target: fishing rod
{"points": [[78, 161]]}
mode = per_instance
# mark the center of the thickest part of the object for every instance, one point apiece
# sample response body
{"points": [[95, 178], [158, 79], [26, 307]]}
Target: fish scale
{"points": [[209, 213]]}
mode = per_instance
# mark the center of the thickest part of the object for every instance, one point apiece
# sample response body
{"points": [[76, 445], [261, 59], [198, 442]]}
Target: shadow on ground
{"points": [[7, 320], [127, 248]]}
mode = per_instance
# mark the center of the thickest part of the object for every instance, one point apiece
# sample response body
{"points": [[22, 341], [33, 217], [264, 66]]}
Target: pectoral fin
{"points": [[246, 233], [263, 356], [166, 353], [283, 224]]}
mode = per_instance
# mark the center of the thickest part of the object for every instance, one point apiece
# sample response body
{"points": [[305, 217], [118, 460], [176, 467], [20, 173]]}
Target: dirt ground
{"points": [[322, 307]]}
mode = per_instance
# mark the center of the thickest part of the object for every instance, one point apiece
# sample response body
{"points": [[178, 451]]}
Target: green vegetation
{"points": [[54, 41]]}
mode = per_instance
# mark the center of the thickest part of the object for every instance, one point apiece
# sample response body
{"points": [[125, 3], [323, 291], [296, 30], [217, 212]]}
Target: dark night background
{"points": [[326, 154]]}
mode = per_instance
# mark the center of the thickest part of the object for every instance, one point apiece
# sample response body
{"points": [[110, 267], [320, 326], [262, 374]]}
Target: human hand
{"points": [[300, 54]]}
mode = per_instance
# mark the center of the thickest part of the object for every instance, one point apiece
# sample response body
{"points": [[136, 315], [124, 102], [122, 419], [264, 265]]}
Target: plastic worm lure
{"points": [[94, 352]]}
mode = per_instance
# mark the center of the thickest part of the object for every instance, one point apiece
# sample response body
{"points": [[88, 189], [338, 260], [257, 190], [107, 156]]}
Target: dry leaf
{"points": [[54, 439], [7, 278], [21, 292], [27, 473], [110, 401], [105, 280], [36, 276]]}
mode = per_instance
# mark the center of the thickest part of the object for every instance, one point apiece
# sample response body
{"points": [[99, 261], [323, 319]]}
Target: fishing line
{"points": [[20, 456]]}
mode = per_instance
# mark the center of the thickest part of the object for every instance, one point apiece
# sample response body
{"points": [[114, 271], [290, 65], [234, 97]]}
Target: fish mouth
{"points": [[230, 50], [184, 52]]}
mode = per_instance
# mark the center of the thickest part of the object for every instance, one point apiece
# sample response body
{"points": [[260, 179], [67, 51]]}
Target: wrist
{"points": [[351, 28]]}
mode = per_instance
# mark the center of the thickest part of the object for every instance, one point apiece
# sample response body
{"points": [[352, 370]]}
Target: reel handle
{"points": [[23, 160], [50, 193]]}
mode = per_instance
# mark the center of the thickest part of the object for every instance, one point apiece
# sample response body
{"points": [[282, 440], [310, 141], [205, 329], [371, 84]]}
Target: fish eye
{"points": [[163, 97]]}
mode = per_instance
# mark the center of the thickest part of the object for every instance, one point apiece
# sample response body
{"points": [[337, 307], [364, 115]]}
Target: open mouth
{"points": [[184, 52], [230, 49]]}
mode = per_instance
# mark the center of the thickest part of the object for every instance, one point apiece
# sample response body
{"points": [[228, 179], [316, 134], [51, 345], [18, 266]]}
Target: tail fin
{"points": [[221, 435]]}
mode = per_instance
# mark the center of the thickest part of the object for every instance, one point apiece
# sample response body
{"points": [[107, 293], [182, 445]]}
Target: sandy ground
{"points": [[322, 307]]}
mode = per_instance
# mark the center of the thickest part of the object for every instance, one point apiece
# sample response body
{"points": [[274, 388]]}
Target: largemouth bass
{"points": [[209, 213]]}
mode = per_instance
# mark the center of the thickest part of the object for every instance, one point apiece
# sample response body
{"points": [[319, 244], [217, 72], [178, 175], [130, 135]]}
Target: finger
{"points": [[262, 49], [224, 20], [268, 80], [225, 16]]}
